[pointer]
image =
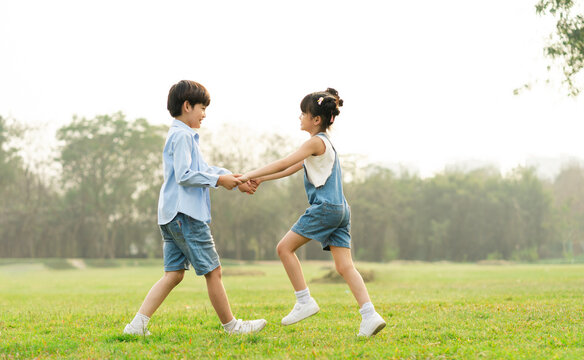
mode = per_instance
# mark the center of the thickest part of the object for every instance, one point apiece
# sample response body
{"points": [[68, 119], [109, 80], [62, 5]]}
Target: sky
{"points": [[426, 84]]}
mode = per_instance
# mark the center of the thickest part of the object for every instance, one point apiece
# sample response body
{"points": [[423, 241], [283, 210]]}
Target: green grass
{"points": [[433, 311]]}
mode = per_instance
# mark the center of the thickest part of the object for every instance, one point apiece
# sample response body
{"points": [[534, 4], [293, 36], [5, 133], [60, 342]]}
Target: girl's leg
{"points": [[372, 322], [305, 305], [218, 296], [160, 291], [346, 268], [286, 251]]}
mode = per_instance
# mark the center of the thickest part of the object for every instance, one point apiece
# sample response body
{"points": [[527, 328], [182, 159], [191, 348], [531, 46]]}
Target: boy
{"points": [[184, 212]]}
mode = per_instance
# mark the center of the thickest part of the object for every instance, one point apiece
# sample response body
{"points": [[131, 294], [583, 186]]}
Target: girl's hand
{"points": [[255, 183], [243, 178], [247, 188]]}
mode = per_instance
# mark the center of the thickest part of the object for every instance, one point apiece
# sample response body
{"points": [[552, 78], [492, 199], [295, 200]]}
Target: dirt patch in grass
{"points": [[494, 262], [241, 272], [332, 276]]}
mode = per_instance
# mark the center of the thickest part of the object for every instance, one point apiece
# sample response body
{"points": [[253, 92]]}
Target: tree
{"points": [[567, 43], [569, 198], [9, 160], [27, 200], [110, 166]]}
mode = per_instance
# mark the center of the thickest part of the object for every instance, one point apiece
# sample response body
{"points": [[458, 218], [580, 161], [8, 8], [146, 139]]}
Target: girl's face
{"points": [[308, 123]]}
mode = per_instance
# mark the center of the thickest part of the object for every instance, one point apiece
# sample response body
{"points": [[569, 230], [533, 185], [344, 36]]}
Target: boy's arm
{"points": [[185, 176], [217, 170], [311, 147], [226, 178]]}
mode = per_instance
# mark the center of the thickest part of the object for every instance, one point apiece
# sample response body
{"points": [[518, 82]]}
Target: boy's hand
{"points": [[228, 181]]}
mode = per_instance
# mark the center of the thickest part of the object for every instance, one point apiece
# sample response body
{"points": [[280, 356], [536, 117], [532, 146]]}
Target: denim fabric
{"points": [[328, 219], [187, 240]]}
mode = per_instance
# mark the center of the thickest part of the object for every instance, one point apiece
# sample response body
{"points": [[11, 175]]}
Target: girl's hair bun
{"points": [[335, 93]]}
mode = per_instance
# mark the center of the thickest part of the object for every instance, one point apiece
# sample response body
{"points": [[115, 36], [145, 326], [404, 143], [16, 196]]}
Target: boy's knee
{"points": [[214, 274], [174, 277]]}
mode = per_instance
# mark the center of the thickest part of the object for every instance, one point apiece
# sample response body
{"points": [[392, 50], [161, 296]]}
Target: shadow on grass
{"points": [[249, 338], [126, 338]]}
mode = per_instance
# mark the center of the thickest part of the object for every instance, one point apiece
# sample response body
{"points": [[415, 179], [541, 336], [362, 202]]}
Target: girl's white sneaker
{"points": [[372, 325], [130, 330], [301, 312]]}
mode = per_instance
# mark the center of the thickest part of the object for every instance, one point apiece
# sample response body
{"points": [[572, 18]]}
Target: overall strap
{"points": [[324, 135]]}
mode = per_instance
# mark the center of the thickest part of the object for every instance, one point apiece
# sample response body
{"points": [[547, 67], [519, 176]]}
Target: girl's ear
{"points": [[317, 120]]}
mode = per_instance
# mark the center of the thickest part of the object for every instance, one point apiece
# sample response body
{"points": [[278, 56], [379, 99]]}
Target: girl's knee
{"points": [[282, 249], [344, 268]]}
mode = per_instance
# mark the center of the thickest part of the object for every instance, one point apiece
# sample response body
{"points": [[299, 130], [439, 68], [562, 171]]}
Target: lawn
{"points": [[433, 311]]}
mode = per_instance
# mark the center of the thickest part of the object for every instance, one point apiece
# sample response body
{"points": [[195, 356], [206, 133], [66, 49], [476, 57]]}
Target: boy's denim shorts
{"points": [[327, 223], [187, 240]]}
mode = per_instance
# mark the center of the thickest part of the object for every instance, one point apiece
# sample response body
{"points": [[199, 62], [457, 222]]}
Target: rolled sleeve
{"points": [[185, 175]]}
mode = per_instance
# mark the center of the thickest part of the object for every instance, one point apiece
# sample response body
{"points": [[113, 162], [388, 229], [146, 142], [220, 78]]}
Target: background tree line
{"points": [[100, 201]]}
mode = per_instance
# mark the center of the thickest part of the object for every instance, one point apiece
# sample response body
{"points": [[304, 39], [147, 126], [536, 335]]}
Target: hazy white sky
{"points": [[425, 84]]}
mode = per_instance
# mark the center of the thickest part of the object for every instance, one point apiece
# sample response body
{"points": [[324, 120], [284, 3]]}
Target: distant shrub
{"points": [[58, 264]]}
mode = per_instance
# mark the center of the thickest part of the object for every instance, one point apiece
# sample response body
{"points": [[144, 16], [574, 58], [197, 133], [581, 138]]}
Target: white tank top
{"points": [[320, 167]]}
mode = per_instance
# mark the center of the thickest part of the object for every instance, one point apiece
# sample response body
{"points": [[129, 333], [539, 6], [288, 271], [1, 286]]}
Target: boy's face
{"points": [[194, 115]]}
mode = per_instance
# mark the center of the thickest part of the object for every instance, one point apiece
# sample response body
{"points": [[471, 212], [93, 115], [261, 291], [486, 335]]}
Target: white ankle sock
{"points": [[367, 310], [140, 321], [229, 326], [302, 296]]}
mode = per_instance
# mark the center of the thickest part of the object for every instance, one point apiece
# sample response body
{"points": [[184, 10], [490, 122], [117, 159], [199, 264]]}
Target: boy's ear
{"points": [[185, 106]]}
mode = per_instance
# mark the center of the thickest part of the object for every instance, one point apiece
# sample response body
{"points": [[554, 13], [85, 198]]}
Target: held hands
{"points": [[232, 180], [243, 178], [248, 186], [229, 181]]}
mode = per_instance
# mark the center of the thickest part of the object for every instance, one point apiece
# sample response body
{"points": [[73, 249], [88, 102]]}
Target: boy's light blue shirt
{"points": [[187, 177]]}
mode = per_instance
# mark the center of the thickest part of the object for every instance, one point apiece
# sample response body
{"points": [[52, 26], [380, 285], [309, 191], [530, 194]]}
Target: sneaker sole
{"points": [[299, 320], [145, 333], [378, 329]]}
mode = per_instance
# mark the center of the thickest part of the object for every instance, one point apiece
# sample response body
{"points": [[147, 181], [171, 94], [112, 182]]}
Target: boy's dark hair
{"points": [[324, 104], [186, 90]]}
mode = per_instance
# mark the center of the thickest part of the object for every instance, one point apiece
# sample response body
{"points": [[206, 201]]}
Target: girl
{"points": [[327, 220]]}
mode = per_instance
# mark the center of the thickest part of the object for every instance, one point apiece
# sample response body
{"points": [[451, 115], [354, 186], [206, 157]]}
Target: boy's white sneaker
{"points": [[130, 330], [301, 312], [247, 326], [371, 325]]}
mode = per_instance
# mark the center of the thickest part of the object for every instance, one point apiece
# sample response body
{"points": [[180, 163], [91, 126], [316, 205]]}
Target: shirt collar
{"points": [[182, 125]]}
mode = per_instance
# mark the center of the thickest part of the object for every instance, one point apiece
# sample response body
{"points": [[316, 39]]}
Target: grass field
{"points": [[433, 311]]}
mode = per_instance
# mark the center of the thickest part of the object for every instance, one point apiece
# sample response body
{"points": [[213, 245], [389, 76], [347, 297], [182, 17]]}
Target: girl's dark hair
{"points": [[186, 90], [325, 104]]}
